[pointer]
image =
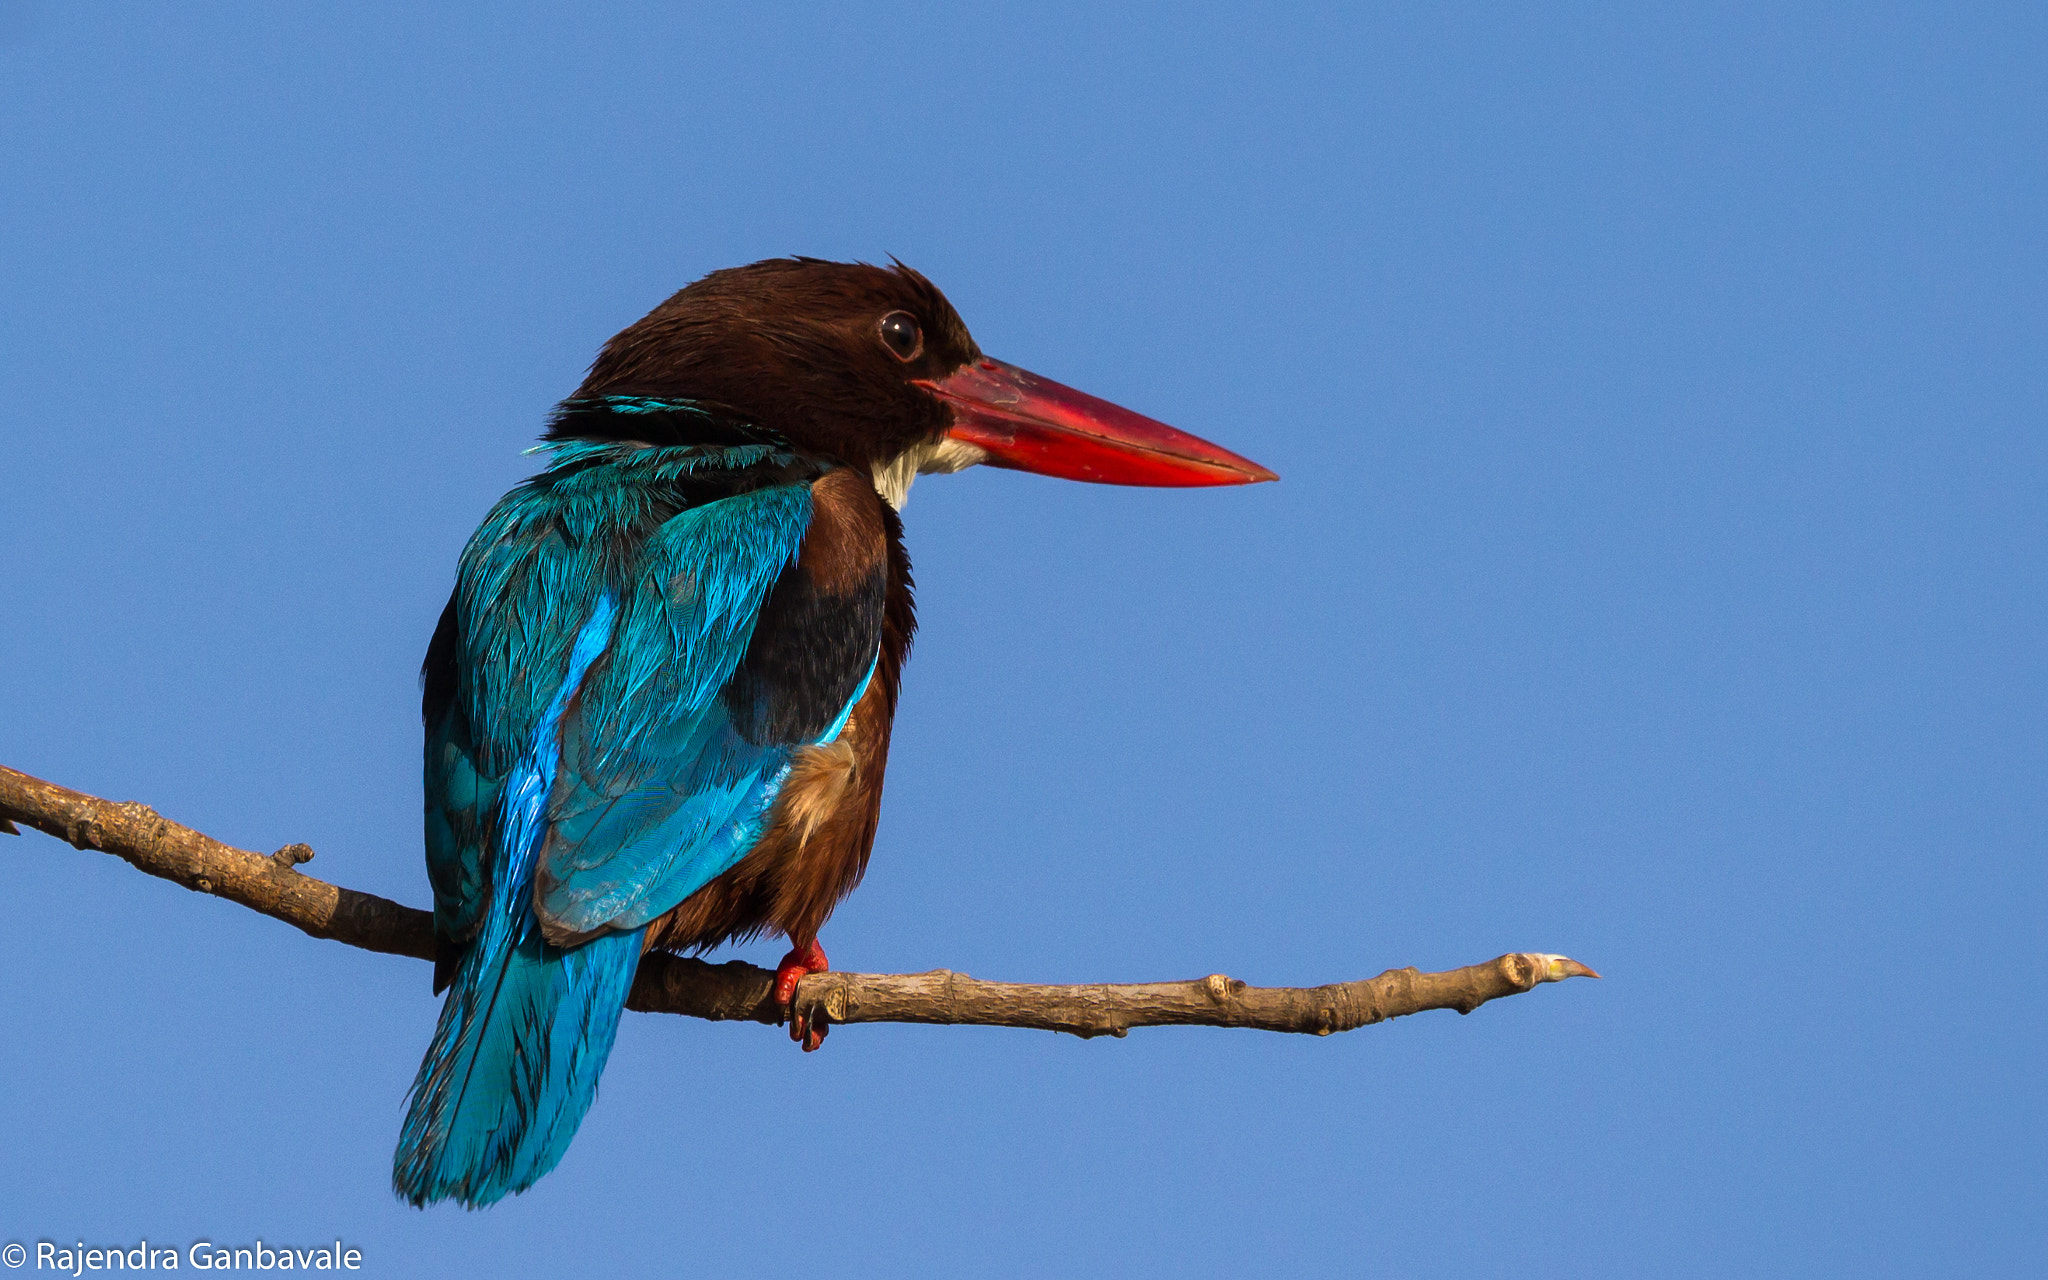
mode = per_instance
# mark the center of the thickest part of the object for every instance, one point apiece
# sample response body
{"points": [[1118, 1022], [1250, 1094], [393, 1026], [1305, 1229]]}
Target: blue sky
{"points": [[1656, 576]]}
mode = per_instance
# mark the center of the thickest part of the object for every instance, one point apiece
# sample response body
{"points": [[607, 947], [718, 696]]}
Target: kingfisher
{"points": [[658, 703]]}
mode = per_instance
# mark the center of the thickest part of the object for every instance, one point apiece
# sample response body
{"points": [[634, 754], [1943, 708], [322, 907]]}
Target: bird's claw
{"points": [[810, 1037], [807, 959]]}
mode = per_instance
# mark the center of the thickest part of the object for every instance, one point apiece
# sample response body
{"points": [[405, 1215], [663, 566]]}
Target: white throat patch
{"points": [[935, 457]]}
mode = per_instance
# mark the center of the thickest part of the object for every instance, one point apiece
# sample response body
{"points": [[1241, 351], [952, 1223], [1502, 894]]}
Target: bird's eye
{"points": [[902, 336]]}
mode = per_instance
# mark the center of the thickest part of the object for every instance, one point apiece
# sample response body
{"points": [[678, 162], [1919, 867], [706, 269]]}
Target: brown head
{"points": [[871, 367]]}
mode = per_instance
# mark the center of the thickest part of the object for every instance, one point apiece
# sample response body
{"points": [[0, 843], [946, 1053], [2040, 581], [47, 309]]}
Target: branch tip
{"points": [[1558, 968]]}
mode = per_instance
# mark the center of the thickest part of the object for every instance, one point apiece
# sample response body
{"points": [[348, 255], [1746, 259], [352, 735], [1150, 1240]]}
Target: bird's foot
{"points": [[809, 958]]}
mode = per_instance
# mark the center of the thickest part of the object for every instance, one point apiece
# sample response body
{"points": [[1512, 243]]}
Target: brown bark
{"points": [[737, 991]]}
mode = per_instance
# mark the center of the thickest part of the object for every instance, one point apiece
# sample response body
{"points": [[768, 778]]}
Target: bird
{"points": [[658, 703]]}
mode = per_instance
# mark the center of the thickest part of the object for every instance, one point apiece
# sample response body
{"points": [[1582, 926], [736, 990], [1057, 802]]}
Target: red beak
{"points": [[1029, 423]]}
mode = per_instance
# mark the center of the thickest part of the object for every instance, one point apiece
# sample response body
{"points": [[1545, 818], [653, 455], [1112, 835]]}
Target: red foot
{"points": [[809, 958]]}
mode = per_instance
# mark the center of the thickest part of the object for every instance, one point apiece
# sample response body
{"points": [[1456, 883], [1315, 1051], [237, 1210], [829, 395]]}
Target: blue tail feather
{"points": [[526, 1027], [513, 1067]]}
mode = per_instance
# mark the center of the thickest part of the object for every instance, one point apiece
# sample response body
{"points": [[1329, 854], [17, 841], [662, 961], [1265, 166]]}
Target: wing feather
{"points": [[655, 791]]}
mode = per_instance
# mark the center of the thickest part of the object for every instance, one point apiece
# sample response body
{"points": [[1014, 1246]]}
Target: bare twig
{"points": [[737, 991]]}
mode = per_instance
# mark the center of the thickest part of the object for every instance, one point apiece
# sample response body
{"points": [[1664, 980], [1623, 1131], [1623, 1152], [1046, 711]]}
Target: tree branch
{"points": [[737, 991]]}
